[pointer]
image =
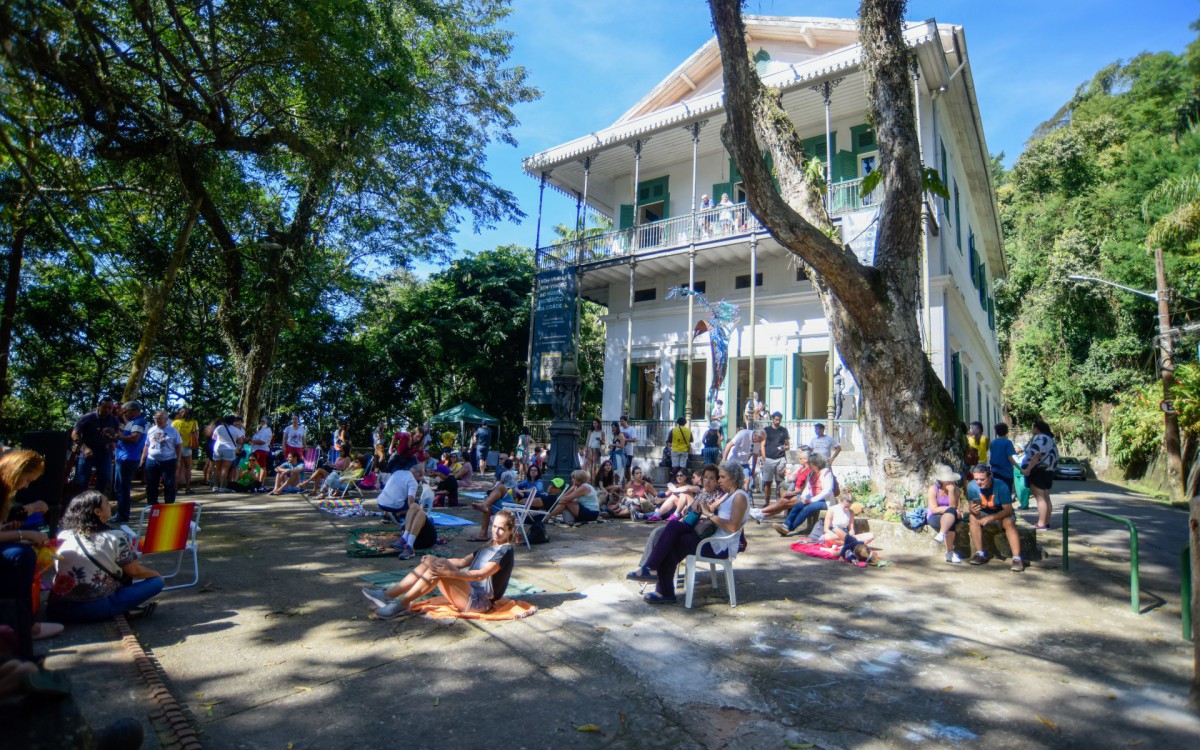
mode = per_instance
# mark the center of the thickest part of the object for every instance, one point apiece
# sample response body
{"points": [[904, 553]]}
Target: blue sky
{"points": [[592, 60]]}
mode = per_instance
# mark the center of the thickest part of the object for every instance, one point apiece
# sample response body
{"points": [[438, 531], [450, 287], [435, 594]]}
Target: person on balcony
{"points": [[706, 223], [725, 215]]}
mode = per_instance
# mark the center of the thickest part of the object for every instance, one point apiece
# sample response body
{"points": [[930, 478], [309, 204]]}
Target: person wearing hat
{"points": [[825, 446], [128, 456], [943, 511]]}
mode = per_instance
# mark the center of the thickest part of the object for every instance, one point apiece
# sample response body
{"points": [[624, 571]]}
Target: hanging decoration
{"points": [[722, 318]]}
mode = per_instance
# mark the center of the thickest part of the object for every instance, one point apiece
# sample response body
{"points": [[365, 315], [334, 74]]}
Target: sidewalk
{"points": [[275, 648]]}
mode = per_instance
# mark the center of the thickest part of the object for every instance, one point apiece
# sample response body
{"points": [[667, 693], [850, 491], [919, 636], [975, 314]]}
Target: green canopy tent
{"points": [[465, 414]]}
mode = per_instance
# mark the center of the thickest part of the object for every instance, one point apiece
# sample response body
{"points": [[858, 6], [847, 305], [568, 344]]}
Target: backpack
{"points": [[914, 518], [535, 531]]}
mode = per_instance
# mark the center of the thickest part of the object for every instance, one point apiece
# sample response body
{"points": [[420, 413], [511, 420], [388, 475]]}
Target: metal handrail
{"points": [[1134, 577]]}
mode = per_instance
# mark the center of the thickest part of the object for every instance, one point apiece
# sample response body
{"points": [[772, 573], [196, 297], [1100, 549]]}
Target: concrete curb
{"points": [[176, 729]]}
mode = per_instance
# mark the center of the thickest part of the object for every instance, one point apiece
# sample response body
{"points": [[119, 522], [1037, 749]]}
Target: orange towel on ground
{"points": [[439, 607]]}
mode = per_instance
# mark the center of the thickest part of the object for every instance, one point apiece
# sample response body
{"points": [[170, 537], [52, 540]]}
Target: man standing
{"points": [[128, 457], [96, 432], [718, 414], [630, 438], [825, 446], [990, 502], [483, 446], [681, 443], [741, 448], [752, 410], [160, 457], [775, 446]]}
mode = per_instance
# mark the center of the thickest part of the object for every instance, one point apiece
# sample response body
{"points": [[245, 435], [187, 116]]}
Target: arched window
{"points": [[761, 58]]}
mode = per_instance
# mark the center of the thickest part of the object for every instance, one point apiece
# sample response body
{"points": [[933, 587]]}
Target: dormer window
{"points": [[761, 58]]}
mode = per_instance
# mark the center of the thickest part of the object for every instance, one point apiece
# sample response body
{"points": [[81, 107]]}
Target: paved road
{"points": [[276, 649]]}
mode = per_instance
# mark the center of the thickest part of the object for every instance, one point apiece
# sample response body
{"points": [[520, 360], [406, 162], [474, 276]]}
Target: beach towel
{"points": [[439, 608], [816, 549], [377, 542], [447, 521], [346, 508], [384, 580]]}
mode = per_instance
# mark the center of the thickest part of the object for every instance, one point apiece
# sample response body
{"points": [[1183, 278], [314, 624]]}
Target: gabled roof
{"points": [[821, 35]]}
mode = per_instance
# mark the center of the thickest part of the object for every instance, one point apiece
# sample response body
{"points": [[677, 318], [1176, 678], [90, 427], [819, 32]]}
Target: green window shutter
{"points": [[983, 292], [991, 308], [815, 146], [862, 139], [775, 372], [957, 224], [799, 387], [972, 261], [626, 218], [681, 371], [717, 189], [956, 381], [734, 175], [966, 380], [979, 401], [945, 179], [845, 166], [634, 389]]}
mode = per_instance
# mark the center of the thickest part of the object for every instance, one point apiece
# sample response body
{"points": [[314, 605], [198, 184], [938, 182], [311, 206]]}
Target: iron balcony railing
{"points": [[711, 224], [653, 434]]}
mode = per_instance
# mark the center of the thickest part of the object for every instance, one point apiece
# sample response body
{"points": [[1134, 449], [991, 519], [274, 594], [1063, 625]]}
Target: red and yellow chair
{"points": [[171, 528]]}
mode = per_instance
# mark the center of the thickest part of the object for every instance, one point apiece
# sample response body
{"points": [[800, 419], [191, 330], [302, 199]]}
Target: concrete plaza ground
{"points": [[275, 648]]}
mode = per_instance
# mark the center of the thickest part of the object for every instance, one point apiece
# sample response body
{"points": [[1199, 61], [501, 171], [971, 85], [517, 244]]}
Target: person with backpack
{"points": [[710, 443], [822, 488], [681, 444]]}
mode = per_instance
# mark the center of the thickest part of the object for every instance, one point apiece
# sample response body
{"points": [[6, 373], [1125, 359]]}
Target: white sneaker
{"points": [[939, 537], [953, 558], [757, 515]]}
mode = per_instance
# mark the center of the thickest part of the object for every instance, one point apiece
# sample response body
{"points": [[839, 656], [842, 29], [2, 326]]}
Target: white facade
{"points": [[787, 334]]}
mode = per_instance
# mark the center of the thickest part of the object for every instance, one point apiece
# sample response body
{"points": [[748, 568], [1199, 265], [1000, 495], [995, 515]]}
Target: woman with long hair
{"points": [[1041, 458], [98, 574], [18, 556], [595, 445]]}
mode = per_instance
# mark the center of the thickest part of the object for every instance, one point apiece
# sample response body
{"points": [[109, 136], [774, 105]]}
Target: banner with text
{"points": [[554, 330], [859, 230]]}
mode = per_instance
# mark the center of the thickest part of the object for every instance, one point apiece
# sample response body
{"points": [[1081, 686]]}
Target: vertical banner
{"points": [[554, 330], [859, 229]]}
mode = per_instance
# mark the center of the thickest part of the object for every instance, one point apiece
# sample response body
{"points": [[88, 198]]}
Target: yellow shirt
{"points": [[186, 427], [681, 439], [448, 439], [980, 445]]}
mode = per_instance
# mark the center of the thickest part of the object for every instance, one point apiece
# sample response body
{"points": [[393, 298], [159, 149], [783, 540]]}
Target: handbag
{"points": [[123, 578]]}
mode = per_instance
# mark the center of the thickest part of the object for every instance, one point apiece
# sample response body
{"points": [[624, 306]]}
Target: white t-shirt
{"points": [[262, 440], [400, 488], [161, 442], [293, 437], [743, 446], [824, 445], [630, 439], [225, 437]]}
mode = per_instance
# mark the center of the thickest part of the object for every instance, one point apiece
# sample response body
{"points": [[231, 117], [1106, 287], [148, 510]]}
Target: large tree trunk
{"points": [[12, 285], [908, 418], [156, 306]]}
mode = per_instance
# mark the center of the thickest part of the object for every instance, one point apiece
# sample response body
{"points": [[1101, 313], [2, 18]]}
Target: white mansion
{"points": [[649, 172]]}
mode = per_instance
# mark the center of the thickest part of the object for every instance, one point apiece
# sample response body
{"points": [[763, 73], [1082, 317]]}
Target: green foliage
{"points": [[931, 180], [1081, 200]]}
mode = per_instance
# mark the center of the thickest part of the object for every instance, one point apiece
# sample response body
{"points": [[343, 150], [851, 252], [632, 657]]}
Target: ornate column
{"points": [[579, 245], [637, 173], [753, 314], [564, 429], [694, 129], [629, 340], [826, 91]]}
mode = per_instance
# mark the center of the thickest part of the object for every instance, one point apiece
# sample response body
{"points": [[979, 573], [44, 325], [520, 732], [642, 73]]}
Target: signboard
{"points": [[859, 229], [554, 330]]}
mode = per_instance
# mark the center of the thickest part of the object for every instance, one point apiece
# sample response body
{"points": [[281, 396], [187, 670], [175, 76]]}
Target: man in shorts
{"points": [[990, 502], [774, 448]]}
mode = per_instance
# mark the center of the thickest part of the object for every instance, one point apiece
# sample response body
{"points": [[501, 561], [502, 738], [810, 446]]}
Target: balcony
{"points": [[713, 225]]}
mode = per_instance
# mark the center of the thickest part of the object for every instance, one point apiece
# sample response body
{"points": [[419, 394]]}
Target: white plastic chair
{"points": [[689, 572]]}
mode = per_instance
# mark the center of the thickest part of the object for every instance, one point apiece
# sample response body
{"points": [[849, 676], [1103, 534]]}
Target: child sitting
{"points": [[839, 523]]}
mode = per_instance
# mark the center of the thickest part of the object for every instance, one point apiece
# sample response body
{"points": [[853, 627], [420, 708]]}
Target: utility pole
{"points": [[1167, 365]]}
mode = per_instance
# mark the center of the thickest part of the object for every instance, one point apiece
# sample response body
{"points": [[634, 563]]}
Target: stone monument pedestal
{"points": [[564, 429]]}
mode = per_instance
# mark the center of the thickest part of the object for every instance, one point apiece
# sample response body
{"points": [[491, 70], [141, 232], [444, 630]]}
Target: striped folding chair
{"points": [[171, 528]]}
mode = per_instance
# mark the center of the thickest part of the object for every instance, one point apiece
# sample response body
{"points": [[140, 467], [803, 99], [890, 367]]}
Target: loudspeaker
{"points": [[55, 447]]}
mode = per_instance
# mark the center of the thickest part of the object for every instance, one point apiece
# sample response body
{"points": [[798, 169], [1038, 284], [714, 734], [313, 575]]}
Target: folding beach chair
{"points": [[524, 511], [171, 528], [310, 459], [365, 482]]}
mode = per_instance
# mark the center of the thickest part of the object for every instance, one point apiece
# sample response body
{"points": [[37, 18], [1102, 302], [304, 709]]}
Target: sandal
{"points": [[656, 598], [641, 574]]}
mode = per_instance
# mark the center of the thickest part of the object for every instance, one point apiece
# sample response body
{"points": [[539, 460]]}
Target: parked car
{"points": [[1070, 468]]}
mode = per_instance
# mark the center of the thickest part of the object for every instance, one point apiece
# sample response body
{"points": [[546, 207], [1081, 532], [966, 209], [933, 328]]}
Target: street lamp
{"points": [[1129, 289]]}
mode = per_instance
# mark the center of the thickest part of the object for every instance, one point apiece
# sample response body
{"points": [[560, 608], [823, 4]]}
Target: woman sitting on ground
{"points": [[472, 583], [288, 474], [580, 500], [607, 483], [816, 497], [18, 547], [839, 524], [678, 495], [98, 573], [418, 532], [339, 481], [788, 498], [942, 513], [708, 497], [680, 539], [639, 498]]}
